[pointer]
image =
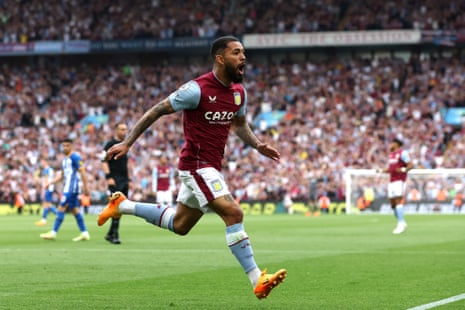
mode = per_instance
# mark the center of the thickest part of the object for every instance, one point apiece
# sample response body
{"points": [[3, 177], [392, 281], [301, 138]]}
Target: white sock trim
{"points": [[254, 274], [127, 207], [166, 217], [236, 237]]}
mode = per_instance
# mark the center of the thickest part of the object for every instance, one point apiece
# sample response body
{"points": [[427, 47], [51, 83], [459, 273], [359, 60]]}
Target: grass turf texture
{"points": [[333, 262]]}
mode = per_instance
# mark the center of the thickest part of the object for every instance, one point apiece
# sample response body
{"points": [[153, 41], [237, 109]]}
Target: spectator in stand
{"points": [[414, 195], [442, 195], [123, 20], [348, 117]]}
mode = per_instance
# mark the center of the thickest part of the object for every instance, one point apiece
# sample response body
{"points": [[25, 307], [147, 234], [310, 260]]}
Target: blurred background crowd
{"points": [[31, 20], [337, 113]]}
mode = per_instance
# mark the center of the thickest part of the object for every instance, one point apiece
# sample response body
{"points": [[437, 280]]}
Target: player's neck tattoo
{"points": [[218, 79]]}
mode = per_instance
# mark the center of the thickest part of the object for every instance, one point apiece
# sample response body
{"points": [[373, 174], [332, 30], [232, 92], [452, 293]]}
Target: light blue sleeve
{"points": [[76, 161], [242, 110], [187, 97], [405, 156]]}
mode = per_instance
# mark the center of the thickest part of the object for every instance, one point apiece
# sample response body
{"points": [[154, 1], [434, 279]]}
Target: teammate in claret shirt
{"points": [[399, 165], [163, 182]]}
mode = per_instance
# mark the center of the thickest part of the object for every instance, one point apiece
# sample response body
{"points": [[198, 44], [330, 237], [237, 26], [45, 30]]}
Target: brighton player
{"points": [[399, 165], [72, 174], [212, 104], [47, 174]]}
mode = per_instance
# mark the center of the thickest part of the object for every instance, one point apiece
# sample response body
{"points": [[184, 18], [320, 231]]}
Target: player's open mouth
{"points": [[241, 68]]}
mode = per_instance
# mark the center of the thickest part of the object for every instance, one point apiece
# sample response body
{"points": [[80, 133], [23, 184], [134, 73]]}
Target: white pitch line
{"points": [[439, 302]]}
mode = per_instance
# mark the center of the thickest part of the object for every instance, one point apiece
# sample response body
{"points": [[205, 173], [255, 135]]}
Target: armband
{"points": [[403, 169]]}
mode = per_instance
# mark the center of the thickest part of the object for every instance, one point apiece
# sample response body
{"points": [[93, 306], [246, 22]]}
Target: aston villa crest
{"points": [[237, 98]]}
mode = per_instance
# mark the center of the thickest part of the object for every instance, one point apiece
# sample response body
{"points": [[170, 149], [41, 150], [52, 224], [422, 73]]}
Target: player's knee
{"points": [[182, 226], [235, 215], [182, 230]]}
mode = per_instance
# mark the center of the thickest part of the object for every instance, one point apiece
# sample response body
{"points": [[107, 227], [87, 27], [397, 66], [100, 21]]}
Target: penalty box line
{"points": [[439, 302]]}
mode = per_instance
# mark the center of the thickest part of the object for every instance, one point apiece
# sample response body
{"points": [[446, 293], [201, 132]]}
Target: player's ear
{"points": [[219, 59]]}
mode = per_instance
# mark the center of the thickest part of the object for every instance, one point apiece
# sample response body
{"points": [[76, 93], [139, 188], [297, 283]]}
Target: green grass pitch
{"points": [[333, 262]]}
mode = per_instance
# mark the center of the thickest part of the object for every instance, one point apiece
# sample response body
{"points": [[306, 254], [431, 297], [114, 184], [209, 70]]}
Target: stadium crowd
{"points": [[337, 113], [32, 20]]}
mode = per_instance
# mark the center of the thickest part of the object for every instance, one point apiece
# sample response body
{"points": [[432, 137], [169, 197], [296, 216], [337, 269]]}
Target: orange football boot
{"points": [[267, 282], [111, 210]]}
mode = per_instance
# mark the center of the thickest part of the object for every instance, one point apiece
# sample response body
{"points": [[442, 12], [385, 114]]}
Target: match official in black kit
{"points": [[117, 176]]}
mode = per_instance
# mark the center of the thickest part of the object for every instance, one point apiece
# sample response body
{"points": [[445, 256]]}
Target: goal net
{"points": [[427, 191]]}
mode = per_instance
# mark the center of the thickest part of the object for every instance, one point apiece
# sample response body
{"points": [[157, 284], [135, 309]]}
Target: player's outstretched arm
{"points": [[268, 151], [151, 116], [242, 129]]}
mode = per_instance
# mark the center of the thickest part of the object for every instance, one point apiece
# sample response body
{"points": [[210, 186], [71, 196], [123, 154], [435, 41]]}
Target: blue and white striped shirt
{"points": [[71, 173]]}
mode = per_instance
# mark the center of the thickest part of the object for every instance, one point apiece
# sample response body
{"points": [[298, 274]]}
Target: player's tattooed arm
{"points": [[243, 131], [162, 108], [158, 110]]}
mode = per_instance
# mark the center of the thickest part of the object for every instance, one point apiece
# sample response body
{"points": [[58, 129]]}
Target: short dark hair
{"points": [[220, 44], [119, 123], [398, 141], [67, 140]]}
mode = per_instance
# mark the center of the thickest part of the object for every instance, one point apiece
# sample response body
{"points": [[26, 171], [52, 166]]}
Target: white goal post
{"points": [[428, 191]]}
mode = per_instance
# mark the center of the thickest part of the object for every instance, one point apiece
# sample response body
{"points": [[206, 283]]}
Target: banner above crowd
{"points": [[337, 38], [194, 45]]}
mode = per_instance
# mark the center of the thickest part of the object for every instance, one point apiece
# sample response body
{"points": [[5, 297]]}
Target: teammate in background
{"points": [[47, 174], [163, 182], [399, 164], [71, 174], [211, 104], [117, 176]]}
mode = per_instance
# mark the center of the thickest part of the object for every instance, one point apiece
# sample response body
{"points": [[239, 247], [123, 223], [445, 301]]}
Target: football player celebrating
{"points": [[211, 104]]}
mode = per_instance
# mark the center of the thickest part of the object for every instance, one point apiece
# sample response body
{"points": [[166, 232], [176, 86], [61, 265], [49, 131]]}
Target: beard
{"points": [[233, 74]]}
